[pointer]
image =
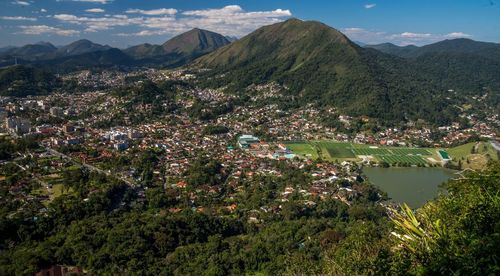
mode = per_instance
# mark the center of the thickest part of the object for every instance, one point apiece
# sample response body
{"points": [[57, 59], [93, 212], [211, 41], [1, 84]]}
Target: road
{"points": [[41, 182], [495, 145], [90, 167]]}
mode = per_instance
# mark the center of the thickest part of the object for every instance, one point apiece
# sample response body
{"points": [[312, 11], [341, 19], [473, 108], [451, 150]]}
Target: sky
{"points": [[123, 23]]}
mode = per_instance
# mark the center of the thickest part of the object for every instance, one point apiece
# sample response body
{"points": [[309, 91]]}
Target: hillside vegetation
{"points": [[319, 64], [21, 81]]}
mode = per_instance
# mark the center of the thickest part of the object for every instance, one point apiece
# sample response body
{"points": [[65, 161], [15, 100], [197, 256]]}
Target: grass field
{"points": [[465, 150], [478, 159], [332, 150], [57, 190], [409, 159], [303, 148]]}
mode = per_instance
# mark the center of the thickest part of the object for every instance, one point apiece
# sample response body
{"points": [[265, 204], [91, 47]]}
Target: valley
{"points": [[289, 151]]}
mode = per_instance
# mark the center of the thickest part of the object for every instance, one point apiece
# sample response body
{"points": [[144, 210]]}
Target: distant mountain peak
{"points": [[292, 39], [79, 47], [44, 43], [195, 40], [179, 49], [293, 20]]}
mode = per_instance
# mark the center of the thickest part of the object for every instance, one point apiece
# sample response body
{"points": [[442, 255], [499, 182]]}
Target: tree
{"points": [[457, 233]]}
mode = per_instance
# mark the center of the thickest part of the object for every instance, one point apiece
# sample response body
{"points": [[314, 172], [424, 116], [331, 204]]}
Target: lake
{"points": [[415, 186]]}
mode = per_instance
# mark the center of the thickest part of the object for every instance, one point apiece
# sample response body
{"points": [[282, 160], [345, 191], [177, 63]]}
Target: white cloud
{"points": [[43, 10], [369, 6], [404, 38], [457, 35], [367, 36], [413, 35], [153, 12], [236, 12], [44, 29], [230, 20], [22, 3], [95, 1], [93, 24], [96, 10], [19, 18]]}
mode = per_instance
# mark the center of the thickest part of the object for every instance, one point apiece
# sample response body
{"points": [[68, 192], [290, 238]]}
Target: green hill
{"points": [[389, 48], [22, 81], [78, 47], [460, 64], [448, 46], [319, 64], [179, 49]]}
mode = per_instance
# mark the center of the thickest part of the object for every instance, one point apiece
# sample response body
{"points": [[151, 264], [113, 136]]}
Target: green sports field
{"points": [[340, 151], [303, 148], [335, 150], [332, 150]]}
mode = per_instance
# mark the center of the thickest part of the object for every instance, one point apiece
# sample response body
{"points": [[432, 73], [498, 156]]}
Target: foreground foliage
{"points": [[457, 234], [103, 227]]}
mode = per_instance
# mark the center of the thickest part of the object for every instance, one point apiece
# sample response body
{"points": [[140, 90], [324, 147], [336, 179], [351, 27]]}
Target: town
{"points": [[95, 131], [256, 138]]}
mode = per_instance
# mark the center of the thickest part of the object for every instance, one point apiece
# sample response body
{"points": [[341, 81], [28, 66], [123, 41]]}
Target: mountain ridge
{"points": [[175, 52], [181, 48], [449, 46], [319, 64]]}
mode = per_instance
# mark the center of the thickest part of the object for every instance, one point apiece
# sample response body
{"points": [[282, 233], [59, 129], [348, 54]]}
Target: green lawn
{"points": [[332, 150], [304, 149], [336, 150], [477, 160], [461, 151], [398, 159], [59, 189], [466, 150]]}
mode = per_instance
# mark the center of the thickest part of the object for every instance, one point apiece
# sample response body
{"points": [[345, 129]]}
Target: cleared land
{"points": [[473, 155], [332, 150], [303, 148]]}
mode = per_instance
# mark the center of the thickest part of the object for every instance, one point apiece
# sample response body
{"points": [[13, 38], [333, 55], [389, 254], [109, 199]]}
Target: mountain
{"points": [[47, 51], [6, 48], [80, 47], [21, 81], [389, 48], [461, 63], [196, 41], [231, 38], [462, 46], [84, 53], [449, 46], [145, 50], [318, 64], [359, 43], [105, 58], [31, 51], [180, 49]]}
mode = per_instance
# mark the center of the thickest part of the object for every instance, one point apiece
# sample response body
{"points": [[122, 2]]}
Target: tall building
{"points": [[17, 125], [56, 111]]}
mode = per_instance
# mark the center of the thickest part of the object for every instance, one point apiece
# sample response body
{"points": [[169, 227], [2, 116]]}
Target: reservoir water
{"points": [[415, 186]]}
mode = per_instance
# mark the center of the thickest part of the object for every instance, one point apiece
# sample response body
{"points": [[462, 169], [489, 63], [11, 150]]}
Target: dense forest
{"points": [[21, 81]]}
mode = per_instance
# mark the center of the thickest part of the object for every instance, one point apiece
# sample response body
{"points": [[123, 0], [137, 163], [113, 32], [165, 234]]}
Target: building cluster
{"points": [[95, 130]]}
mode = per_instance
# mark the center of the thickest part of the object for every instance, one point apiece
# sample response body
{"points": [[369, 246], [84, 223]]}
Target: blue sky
{"points": [[122, 23]]}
